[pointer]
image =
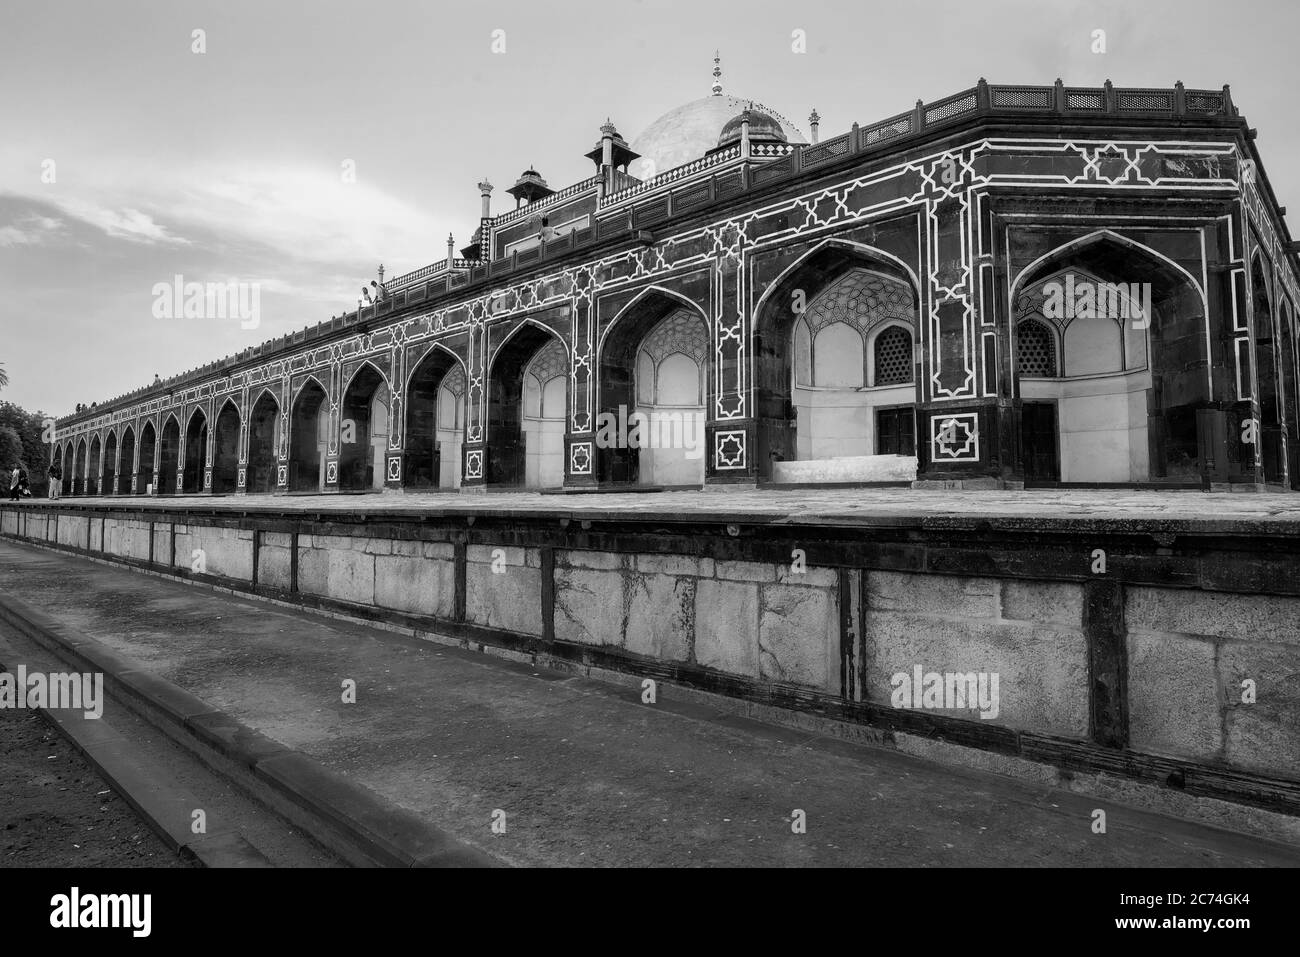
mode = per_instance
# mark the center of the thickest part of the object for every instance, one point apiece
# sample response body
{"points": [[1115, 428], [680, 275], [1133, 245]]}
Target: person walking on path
{"points": [[15, 483], [56, 481]]}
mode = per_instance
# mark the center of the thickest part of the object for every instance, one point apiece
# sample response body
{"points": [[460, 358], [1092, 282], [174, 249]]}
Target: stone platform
{"points": [[1121, 624], [588, 772], [793, 504]]}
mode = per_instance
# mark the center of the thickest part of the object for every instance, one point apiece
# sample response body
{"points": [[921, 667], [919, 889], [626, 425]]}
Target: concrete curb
{"points": [[346, 817], [165, 808]]}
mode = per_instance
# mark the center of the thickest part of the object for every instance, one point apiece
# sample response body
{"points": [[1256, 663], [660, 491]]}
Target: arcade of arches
{"points": [[1127, 390]]}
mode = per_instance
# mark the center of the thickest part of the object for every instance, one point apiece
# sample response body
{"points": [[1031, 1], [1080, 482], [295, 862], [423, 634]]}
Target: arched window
{"points": [[1093, 347], [802, 353], [671, 360], [893, 357], [1035, 350], [837, 356], [677, 381], [546, 383]]}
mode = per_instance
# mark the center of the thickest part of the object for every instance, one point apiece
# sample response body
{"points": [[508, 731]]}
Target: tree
{"points": [[11, 452], [31, 450], [4, 376]]}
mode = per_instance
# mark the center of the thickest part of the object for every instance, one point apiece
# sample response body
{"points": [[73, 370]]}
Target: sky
{"points": [[309, 142]]}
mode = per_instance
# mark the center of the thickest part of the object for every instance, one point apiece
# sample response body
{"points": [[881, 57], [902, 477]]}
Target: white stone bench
{"points": [[854, 468]]}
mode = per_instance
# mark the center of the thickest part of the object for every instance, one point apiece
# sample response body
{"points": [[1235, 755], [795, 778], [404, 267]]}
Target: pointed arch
{"points": [[79, 468], [148, 456], [1156, 441], [356, 372], [308, 443], [630, 325], [435, 347], [94, 465], [432, 444], [634, 304], [194, 463], [795, 423], [656, 358], [1091, 239], [266, 390], [111, 451], [892, 266], [364, 428], [523, 452], [225, 448], [125, 461], [308, 378], [170, 438], [263, 443], [69, 467], [518, 329]]}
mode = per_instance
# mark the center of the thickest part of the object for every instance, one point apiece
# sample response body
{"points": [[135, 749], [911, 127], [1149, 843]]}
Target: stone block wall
{"points": [[1196, 659], [1190, 675], [747, 619], [504, 588], [1029, 634]]}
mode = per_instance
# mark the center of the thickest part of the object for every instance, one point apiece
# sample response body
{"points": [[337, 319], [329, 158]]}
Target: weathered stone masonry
{"points": [[1137, 671]]}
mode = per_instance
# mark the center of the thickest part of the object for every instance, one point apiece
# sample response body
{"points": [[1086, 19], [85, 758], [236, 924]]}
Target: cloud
{"points": [[124, 223], [299, 211], [34, 230], [308, 213]]}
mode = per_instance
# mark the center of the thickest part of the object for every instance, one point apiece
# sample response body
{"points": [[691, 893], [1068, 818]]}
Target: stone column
{"points": [[334, 429], [957, 425], [210, 446], [474, 449], [730, 438], [241, 469], [579, 441], [282, 449], [157, 451], [396, 419]]}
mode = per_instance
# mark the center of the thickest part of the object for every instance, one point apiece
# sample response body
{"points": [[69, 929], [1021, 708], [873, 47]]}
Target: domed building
{"points": [[694, 129], [763, 130], [1010, 286]]}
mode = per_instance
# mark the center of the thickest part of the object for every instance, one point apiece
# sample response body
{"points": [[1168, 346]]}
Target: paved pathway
{"points": [[585, 773]]}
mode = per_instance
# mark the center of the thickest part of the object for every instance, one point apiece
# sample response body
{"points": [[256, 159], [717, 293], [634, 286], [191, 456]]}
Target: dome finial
{"points": [[717, 73]]}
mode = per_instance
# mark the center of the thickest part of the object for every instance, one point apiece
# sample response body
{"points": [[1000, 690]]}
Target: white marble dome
{"points": [[691, 130]]}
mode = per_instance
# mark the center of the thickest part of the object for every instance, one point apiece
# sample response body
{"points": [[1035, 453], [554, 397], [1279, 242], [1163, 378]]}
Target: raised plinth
{"points": [[1109, 619]]}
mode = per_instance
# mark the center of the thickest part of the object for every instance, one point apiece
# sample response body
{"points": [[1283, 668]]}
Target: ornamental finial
{"points": [[717, 73]]}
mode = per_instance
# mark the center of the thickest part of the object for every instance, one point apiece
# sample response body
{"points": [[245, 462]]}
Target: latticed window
{"points": [[1035, 350], [893, 356]]}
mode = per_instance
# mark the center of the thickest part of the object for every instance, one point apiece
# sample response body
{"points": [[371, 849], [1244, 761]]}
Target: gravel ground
{"points": [[55, 811]]}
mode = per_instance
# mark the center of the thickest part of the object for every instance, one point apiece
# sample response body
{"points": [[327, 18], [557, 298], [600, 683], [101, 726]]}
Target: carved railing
{"points": [[420, 275], [672, 175], [554, 199]]}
